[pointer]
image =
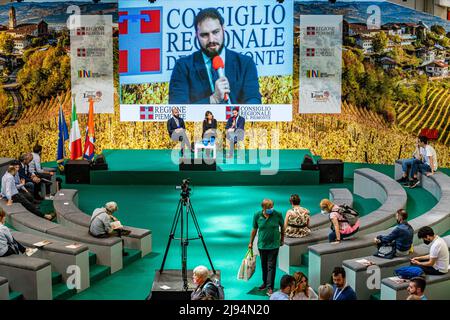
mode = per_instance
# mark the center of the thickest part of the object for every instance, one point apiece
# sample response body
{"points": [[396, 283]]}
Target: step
{"points": [[305, 259], [133, 255], [15, 295], [98, 272], [56, 278], [92, 258], [375, 296], [61, 292]]}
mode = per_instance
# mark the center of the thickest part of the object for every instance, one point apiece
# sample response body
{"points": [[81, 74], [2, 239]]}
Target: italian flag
{"points": [[75, 137]]}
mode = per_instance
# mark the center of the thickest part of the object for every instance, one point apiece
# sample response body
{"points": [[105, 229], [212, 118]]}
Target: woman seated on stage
{"points": [[209, 126], [296, 223]]}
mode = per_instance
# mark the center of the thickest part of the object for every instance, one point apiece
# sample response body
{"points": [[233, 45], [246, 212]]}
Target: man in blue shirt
{"points": [[10, 192], [341, 291], [402, 234], [195, 81], [287, 284]]}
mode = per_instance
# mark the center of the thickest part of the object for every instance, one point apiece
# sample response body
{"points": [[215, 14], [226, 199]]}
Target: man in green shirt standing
{"points": [[270, 224]]}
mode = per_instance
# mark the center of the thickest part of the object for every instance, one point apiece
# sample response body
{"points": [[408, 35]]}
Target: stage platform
{"points": [[249, 167]]}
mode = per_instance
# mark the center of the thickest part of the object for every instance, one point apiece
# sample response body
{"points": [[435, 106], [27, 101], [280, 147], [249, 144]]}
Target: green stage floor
{"points": [[161, 160], [225, 217]]}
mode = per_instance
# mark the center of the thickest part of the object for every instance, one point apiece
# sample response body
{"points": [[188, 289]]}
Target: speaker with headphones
{"points": [[331, 170], [78, 171]]}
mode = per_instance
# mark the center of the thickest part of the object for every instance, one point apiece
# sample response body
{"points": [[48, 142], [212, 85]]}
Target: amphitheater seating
{"points": [[28, 275], [4, 289], [324, 257], [59, 256], [69, 215], [358, 275], [369, 184], [108, 251]]}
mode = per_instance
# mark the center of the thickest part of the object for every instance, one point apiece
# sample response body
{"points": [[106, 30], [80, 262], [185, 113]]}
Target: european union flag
{"points": [[63, 135]]}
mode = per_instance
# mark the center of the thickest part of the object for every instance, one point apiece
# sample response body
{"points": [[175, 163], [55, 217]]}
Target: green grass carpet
{"points": [[224, 215]]}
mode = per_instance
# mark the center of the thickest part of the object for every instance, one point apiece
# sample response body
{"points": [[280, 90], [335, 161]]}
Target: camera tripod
{"points": [[184, 210]]}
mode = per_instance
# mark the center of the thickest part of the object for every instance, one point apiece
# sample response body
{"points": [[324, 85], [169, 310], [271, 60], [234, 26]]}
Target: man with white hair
{"points": [[206, 289], [103, 226]]}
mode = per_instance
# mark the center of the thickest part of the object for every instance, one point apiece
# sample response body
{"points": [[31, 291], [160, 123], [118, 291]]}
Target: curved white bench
{"points": [[324, 257], [30, 276], [108, 250], [65, 203], [359, 276], [367, 183]]}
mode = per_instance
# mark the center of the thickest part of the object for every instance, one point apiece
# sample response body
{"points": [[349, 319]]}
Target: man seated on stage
{"points": [[194, 79], [36, 168], [235, 130], [10, 192], [32, 182], [105, 225], [417, 157], [177, 130]]}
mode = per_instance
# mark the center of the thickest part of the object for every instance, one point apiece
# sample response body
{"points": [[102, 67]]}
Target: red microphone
{"points": [[218, 65]]}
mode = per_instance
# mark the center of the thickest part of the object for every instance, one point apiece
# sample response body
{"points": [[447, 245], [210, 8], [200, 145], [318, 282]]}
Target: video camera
{"points": [[185, 189]]}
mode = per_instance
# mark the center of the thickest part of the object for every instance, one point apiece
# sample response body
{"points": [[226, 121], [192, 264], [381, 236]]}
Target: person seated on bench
{"points": [[325, 292], [10, 192], [429, 164], [302, 290], [416, 289], [32, 181], [340, 228], [105, 225], [341, 290], [235, 130], [417, 156], [20, 183], [36, 168], [287, 284], [206, 289], [296, 223], [9, 245], [436, 262], [402, 234]]}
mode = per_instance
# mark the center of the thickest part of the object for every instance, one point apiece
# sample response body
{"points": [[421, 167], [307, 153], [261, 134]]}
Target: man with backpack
{"points": [[207, 289], [401, 237], [344, 220]]}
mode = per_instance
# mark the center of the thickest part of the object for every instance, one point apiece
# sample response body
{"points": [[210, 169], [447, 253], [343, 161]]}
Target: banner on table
{"points": [[158, 113]]}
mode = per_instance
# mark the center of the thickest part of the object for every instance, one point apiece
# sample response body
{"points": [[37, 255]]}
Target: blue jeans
{"points": [[409, 163], [332, 235], [419, 167]]}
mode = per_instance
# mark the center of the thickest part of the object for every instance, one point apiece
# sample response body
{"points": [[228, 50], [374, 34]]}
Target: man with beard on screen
{"points": [[194, 79]]}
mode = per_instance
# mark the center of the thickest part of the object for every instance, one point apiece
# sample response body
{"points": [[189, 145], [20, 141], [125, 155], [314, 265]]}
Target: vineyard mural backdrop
{"points": [[395, 85]]}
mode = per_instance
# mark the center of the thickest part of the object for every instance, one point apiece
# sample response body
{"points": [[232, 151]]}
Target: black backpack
{"points": [[218, 288], [350, 215]]}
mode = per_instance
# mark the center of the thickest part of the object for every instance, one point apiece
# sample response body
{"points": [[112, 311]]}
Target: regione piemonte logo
{"points": [[140, 41], [310, 31], [310, 52], [229, 111], [81, 31], [146, 113]]}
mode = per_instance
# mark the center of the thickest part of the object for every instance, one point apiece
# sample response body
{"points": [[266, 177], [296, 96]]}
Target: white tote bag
{"points": [[248, 265]]}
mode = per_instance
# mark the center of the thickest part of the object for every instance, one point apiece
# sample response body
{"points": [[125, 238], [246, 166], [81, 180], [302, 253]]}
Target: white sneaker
{"points": [[49, 197]]}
